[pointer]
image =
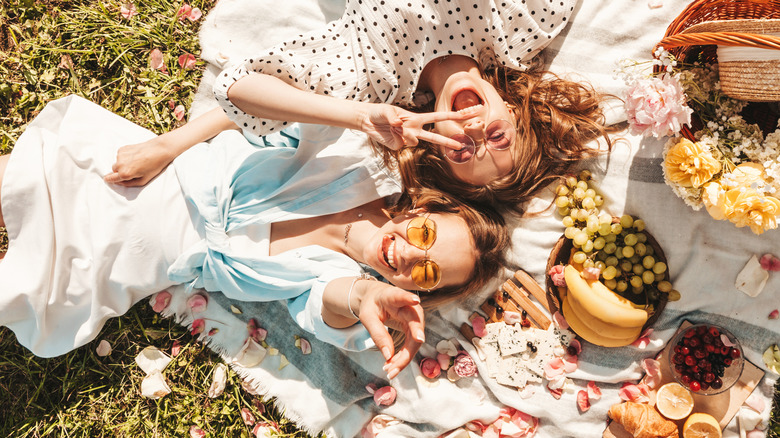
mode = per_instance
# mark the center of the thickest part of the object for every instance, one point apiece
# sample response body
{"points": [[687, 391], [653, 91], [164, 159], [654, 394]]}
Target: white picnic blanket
{"points": [[325, 391]]}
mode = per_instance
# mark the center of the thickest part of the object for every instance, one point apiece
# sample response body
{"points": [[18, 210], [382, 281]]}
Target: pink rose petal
{"points": [[644, 339], [582, 401], [554, 368], [594, 391], [575, 343], [196, 432], [128, 10], [385, 396], [305, 346], [194, 14], [175, 348], [478, 324], [187, 61], [183, 11], [156, 60], [560, 321], [260, 334], [160, 301], [444, 361], [525, 422], [178, 112], [769, 262], [726, 341], [570, 363], [634, 393], [248, 417], [774, 314], [198, 303], [591, 274], [512, 318], [556, 393], [430, 368], [198, 326]]}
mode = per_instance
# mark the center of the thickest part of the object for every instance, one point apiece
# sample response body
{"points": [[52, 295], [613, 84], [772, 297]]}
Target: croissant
{"points": [[643, 421]]}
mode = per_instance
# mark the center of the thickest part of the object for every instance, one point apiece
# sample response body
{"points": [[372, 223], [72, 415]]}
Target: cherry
{"points": [[685, 350], [700, 353], [704, 386], [717, 383], [734, 353], [689, 333], [694, 386], [709, 348], [694, 342], [709, 377], [727, 361], [677, 348], [707, 339], [724, 350], [690, 361], [700, 330], [678, 358], [679, 368], [686, 378]]}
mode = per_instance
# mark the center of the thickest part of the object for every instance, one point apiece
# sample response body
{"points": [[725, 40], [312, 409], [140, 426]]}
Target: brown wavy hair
{"points": [[556, 117], [487, 233]]}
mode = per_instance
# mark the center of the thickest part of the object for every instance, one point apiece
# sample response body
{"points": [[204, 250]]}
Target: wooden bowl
{"points": [[560, 256]]}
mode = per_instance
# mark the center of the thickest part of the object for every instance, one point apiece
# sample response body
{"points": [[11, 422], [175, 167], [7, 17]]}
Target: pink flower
{"points": [[187, 61], [194, 14], [384, 396], [635, 393], [554, 368], [198, 303], [774, 314], [653, 370], [769, 262], [265, 430], [196, 432], [175, 348], [256, 332], [178, 112], [128, 10], [594, 391], [556, 275], [248, 417], [560, 321], [644, 339], [464, 365], [198, 326], [430, 368], [582, 401], [555, 392], [160, 301], [183, 11], [478, 323], [157, 60], [444, 360], [656, 107], [171, 104]]}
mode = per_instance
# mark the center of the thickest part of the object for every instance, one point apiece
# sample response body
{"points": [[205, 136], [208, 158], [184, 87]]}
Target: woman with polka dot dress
{"points": [[501, 128]]}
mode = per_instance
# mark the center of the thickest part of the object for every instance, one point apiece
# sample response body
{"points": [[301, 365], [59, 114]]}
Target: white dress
{"points": [[377, 50]]}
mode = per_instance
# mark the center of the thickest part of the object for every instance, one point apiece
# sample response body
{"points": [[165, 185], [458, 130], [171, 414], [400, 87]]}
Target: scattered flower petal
{"points": [[154, 386], [555, 392], [752, 279], [197, 302], [749, 419], [385, 396], [235, 310], [152, 360], [156, 61], [594, 391], [430, 367], [379, 422], [196, 432], [576, 345], [478, 324], [769, 262], [265, 430], [582, 401], [655, 4], [591, 274], [771, 358], [183, 11], [527, 392], [128, 10], [66, 62], [445, 346], [187, 61], [103, 349], [570, 363], [756, 402], [443, 360], [512, 318], [726, 340], [160, 301], [774, 314], [305, 346], [371, 388], [634, 393], [452, 376], [556, 382], [218, 381], [556, 275], [248, 417], [179, 112], [175, 348], [652, 370], [273, 351], [194, 14], [250, 354], [554, 368], [249, 389], [283, 362], [644, 339], [198, 326], [213, 331], [464, 365], [560, 321]]}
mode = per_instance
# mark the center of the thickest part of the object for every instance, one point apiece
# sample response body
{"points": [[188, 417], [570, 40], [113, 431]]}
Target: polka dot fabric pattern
{"points": [[377, 50]]}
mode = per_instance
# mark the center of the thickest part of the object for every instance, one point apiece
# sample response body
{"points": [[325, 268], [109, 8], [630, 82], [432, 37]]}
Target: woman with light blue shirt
{"points": [[301, 216]]}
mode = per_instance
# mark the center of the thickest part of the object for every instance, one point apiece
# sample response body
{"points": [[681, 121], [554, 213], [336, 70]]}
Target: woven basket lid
{"points": [[749, 80]]}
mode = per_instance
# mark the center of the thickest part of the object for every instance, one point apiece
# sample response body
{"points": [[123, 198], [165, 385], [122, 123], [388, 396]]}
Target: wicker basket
{"points": [[706, 24]]}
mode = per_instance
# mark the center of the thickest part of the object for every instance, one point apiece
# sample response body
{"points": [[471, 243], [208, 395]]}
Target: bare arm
{"points": [[269, 97], [378, 305], [137, 164]]}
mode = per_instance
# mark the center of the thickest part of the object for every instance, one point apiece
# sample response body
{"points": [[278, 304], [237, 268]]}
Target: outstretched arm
{"points": [[137, 164], [378, 305], [269, 97]]}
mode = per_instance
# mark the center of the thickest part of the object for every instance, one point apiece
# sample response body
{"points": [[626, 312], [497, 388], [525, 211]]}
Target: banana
{"points": [[597, 300], [590, 335], [597, 325]]}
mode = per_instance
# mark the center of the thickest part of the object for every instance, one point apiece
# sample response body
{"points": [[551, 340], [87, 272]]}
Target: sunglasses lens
{"points": [[466, 151], [421, 232], [426, 274], [500, 135]]}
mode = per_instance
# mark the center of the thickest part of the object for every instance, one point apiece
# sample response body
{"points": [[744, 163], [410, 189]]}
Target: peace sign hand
{"points": [[396, 128]]}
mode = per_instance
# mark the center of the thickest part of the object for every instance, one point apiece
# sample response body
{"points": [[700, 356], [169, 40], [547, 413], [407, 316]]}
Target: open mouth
{"points": [[388, 251], [465, 100]]}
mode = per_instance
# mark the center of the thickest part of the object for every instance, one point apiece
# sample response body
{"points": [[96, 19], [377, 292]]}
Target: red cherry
{"points": [[677, 348], [685, 350], [689, 333], [710, 348], [714, 332], [686, 378], [709, 377], [678, 358], [694, 386], [694, 342], [727, 361], [734, 353], [717, 383], [690, 361], [700, 353], [724, 350], [700, 330], [679, 367], [704, 385]]}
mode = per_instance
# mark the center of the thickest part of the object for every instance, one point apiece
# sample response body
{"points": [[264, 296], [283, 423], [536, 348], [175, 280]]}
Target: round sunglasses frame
{"points": [[468, 143]]}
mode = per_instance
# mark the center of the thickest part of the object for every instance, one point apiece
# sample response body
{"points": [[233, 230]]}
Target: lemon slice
{"points": [[700, 425], [674, 401]]}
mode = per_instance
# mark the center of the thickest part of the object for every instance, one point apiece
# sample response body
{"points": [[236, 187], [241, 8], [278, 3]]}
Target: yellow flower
{"points": [[713, 197], [689, 165], [747, 207], [745, 175]]}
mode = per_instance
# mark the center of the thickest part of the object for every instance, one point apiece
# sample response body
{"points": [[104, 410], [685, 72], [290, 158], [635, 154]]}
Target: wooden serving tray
{"points": [[722, 406], [519, 293]]}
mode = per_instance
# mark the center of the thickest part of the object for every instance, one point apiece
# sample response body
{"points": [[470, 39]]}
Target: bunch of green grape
{"points": [[618, 248]]}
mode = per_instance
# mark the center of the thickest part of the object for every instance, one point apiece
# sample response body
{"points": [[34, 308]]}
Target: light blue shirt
{"points": [[240, 185]]}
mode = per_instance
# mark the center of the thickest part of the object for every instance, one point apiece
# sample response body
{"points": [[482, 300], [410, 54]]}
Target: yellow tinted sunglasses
{"points": [[421, 232]]}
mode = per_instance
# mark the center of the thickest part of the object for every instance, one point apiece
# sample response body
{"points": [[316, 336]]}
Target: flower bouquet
{"points": [[727, 165]]}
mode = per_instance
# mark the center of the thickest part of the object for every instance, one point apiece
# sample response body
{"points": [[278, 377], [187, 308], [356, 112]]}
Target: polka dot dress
{"points": [[377, 50]]}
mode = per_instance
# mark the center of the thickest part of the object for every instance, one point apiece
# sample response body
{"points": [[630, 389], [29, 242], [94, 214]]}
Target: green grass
{"points": [[49, 49]]}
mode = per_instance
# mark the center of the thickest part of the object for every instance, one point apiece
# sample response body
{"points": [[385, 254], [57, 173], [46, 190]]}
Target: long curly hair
{"points": [[556, 118]]}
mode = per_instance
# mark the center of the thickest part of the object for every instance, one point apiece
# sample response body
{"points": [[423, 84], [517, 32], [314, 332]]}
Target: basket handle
{"points": [[720, 38]]}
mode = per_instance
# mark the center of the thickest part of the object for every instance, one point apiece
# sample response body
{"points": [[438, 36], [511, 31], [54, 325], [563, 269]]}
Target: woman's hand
{"points": [[383, 306], [396, 128], [137, 164]]}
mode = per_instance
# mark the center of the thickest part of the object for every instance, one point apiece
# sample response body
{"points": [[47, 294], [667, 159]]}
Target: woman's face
{"points": [[466, 90], [393, 256]]}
